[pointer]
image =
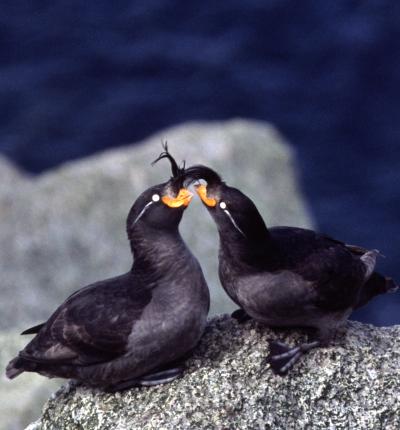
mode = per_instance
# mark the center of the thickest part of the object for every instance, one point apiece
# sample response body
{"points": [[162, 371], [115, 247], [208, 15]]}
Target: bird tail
{"points": [[14, 368], [18, 365], [376, 284]]}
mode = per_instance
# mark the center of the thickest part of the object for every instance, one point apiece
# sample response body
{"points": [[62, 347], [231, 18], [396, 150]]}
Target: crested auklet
{"points": [[286, 276], [130, 330]]}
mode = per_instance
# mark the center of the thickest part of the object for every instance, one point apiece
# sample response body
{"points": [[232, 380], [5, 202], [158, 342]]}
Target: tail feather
{"points": [[14, 368], [33, 330], [376, 284], [391, 286], [369, 260], [18, 365]]}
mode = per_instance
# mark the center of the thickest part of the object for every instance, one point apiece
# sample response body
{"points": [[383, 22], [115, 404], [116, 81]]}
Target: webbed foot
{"points": [[283, 357], [157, 378]]}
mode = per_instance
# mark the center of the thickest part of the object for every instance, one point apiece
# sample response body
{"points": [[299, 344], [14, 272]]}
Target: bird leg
{"points": [[282, 357], [240, 315], [162, 377]]}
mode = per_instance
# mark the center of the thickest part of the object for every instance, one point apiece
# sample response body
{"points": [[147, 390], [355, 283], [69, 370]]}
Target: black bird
{"points": [[286, 276], [130, 330]]}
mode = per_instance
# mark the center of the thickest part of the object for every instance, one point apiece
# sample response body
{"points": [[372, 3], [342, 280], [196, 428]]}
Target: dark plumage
{"points": [[130, 330], [286, 276]]}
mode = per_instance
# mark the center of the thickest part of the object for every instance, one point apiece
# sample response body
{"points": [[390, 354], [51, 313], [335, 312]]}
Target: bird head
{"points": [[161, 206], [234, 213]]}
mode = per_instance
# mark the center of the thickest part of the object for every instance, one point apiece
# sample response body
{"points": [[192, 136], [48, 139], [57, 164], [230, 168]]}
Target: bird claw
{"points": [[282, 357]]}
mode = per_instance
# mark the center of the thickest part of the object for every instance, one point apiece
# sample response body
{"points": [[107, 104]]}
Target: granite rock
{"points": [[353, 384], [66, 228]]}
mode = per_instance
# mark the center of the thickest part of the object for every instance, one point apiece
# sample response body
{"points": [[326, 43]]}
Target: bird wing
{"points": [[354, 249], [91, 326], [331, 267], [335, 273], [313, 239]]}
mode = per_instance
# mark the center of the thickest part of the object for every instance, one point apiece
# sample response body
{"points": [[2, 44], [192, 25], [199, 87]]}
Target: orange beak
{"points": [[182, 199], [202, 192]]}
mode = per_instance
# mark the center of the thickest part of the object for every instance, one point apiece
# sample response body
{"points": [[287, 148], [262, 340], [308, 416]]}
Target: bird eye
{"points": [[155, 197], [222, 205]]}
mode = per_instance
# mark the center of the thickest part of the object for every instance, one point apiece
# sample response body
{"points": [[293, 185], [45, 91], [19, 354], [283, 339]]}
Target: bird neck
{"points": [[154, 251], [251, 252]]}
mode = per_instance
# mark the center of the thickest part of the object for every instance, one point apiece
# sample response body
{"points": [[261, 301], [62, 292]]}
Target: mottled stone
{"points": [[66, 228], [353, 384]]}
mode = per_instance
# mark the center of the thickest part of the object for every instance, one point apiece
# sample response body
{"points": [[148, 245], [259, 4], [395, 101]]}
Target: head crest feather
{"points": [[178, 173]]}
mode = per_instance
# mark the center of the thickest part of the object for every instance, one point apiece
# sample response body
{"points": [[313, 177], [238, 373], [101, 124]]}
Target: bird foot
{"points": [[283, 357], [241, 316], [157, 378]]}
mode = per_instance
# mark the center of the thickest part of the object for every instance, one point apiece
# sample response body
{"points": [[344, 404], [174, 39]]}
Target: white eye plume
{"points": [[154, 199], [222, 205], [144, 209]]}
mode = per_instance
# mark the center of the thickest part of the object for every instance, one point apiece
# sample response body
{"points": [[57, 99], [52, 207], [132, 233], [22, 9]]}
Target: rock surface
{"points": [[354, 384], [66, 228]]}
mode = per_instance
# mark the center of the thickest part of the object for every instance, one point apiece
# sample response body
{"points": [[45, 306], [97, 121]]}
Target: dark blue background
{"points": [[77, 77]]}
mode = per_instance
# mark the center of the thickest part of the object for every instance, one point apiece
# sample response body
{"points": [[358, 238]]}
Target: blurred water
{"points": [[77, 77]]}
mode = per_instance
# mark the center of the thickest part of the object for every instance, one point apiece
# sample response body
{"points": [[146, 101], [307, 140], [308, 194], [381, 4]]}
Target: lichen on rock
{"points": [[354, 384]]}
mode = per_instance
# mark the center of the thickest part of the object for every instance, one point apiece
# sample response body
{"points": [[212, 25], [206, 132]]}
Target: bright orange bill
{"points": [[183, 198], [202, 192]]}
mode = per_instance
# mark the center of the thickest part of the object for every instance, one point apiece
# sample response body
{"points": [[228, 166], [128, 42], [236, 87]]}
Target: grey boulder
{"points": [[354, 384]]}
